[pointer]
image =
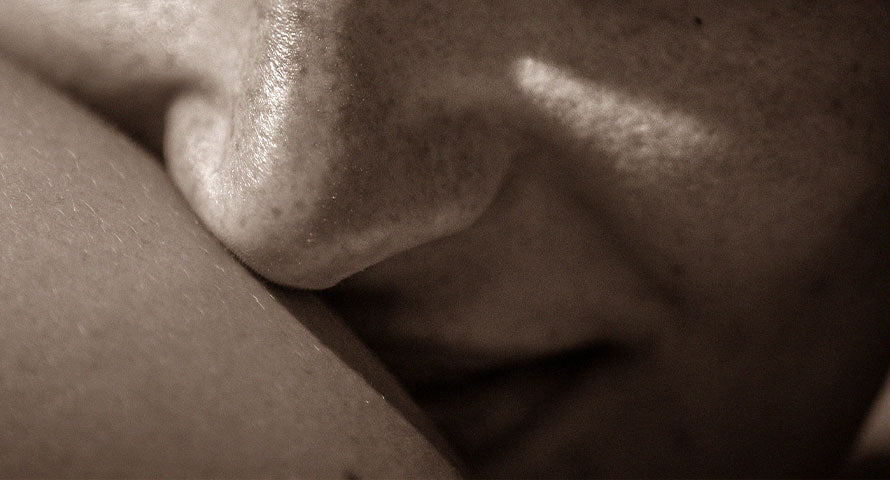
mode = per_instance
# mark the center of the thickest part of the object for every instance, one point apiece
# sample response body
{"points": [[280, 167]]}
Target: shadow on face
{"points": [[591, 239]]}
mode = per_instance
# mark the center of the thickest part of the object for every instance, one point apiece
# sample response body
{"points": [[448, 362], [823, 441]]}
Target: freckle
{"points": [[836, 104], [819, 288], [276, 212], [680, 436], [697, 20], [350, 475], [678, 270]]}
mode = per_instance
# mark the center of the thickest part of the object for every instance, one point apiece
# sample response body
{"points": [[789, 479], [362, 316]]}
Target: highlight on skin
{"points": [[632, 131]]}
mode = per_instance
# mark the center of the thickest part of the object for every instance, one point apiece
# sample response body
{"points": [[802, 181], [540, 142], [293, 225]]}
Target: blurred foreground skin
{"points": [[134, 345], [591, 239]]}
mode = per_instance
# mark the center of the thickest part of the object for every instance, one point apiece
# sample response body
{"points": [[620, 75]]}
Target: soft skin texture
{"points": [[134, 345], [592, 238]]}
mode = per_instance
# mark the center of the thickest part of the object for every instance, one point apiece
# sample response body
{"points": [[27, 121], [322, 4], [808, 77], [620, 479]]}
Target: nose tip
{"points": [[317, 165]]}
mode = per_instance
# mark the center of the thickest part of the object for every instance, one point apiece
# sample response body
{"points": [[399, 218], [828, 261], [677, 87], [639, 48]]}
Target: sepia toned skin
{"points": [[589, 238], [134, 345]]}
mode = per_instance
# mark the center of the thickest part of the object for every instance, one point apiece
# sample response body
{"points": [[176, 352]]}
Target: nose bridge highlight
{"points": [[639, 136]]}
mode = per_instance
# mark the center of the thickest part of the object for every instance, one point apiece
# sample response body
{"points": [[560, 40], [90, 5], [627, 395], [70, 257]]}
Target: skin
{"points": [[871, 453], [591, 239], [134, 345]]}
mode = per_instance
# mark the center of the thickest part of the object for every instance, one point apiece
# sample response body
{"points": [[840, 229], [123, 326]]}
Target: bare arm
{"points": [[133, 344]]}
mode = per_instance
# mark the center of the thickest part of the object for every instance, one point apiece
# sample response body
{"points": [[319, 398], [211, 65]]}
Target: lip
{"points": [[493, 395], [486, 401], [424, 362], [487, 411], [442, 341]]}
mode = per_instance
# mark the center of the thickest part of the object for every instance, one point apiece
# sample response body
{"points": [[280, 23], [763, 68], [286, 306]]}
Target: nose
{"points": [[328, 155], [314, 139]]}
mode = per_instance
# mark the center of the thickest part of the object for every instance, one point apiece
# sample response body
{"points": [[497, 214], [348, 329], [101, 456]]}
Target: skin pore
{"points": [[589, 239]]}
